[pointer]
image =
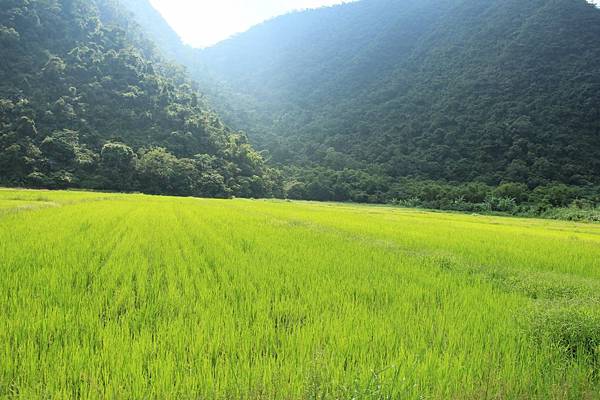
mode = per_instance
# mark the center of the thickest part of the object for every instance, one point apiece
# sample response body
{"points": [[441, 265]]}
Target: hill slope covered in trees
{"points": [[364, 100], [86, 101]]}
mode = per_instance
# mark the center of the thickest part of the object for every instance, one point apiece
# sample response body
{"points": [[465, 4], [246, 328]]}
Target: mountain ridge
{"points": [[87, 101]]}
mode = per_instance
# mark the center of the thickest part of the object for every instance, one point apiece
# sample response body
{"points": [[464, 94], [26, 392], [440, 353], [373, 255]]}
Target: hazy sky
{"points": [[201, 23]]}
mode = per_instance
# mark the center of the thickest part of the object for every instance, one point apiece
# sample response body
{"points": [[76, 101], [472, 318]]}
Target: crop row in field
{"points": [[131, 296]]}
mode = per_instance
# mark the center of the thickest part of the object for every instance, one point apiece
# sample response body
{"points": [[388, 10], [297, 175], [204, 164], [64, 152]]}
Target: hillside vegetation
{"points": [[461, 91], [86, 101], [366, 101], [132, 296]]}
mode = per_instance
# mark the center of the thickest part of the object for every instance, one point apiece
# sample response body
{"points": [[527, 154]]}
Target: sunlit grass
{"points": [[131, 296]]}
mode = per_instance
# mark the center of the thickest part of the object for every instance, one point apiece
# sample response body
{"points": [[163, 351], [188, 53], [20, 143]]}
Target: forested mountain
{"points": [[87, 101], [442, 89], [461, 104], [362, 100]]}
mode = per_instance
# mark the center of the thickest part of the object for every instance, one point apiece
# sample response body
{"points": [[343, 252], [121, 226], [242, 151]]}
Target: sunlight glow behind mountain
{"points": [[204, 23]]}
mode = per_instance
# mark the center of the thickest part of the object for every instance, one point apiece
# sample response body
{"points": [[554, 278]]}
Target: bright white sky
{"points": [[201, 23]]}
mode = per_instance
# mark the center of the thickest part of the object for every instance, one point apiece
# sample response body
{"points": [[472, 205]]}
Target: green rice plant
{"points": [[144, 297]]}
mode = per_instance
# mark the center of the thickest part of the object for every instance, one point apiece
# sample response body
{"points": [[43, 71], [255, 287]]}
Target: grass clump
{"points": [[573, 328]]}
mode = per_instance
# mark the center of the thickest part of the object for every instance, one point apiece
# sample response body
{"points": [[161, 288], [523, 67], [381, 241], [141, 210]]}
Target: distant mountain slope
{"points": [[455, 90], [86, 101]]}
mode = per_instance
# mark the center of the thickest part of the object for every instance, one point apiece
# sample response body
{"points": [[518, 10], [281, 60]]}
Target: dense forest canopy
{"points": [[87, 101], [453, 90], [362, 101]]}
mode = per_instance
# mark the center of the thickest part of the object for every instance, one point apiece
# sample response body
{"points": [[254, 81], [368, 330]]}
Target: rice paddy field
{"points": [[106, 296]]}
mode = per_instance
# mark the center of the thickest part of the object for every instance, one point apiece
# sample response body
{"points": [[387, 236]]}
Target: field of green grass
{"points": [[141, 297]]}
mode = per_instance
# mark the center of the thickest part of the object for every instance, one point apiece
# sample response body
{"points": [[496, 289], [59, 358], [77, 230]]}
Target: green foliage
{"points": [[468, 91], [82, 91], [117, 164], [112, 296], [372, 186], [573, 213], [161, 172]]}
